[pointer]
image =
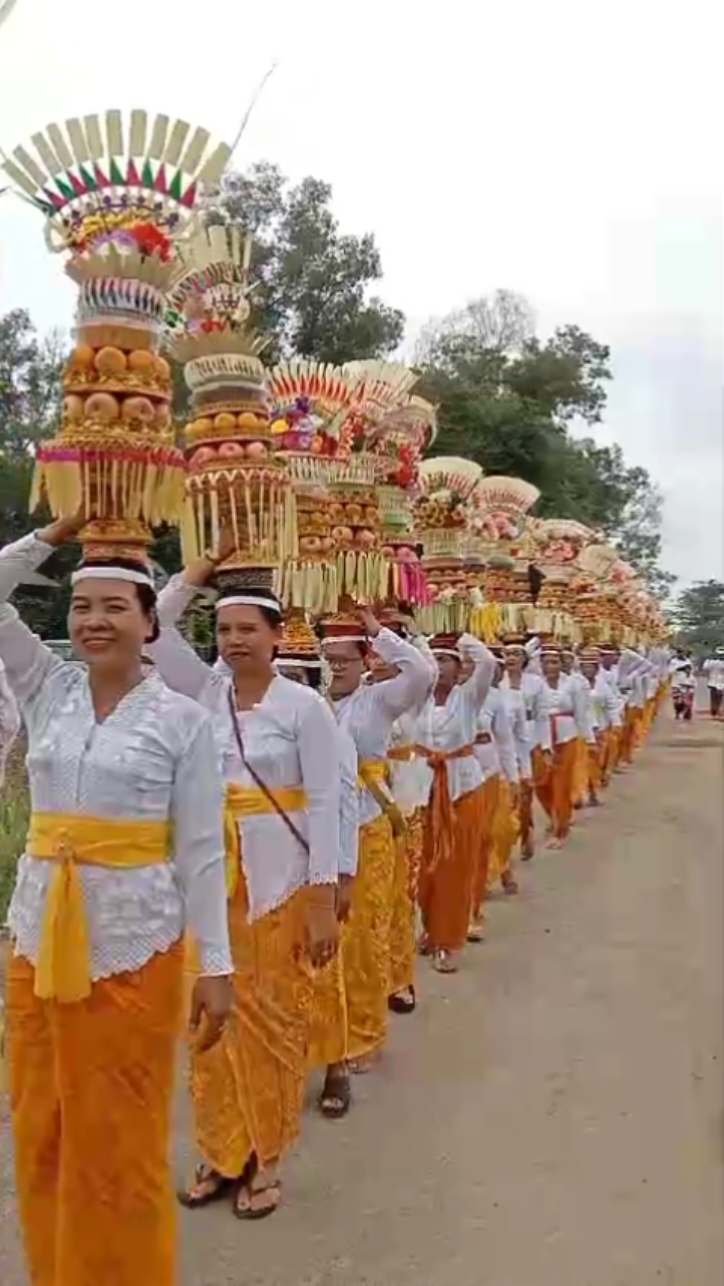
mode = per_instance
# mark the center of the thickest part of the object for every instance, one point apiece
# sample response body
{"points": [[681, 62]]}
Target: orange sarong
{"points": [[579, 784], [555, 794], [91, 1087], [490, 796], [446, 887], [506, 830], [629, 735], [403, 951], [366, 940], [248, 1090]]}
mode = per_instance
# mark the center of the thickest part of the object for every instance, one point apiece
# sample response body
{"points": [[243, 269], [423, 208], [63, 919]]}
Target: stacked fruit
{"points": [[119, 196]]}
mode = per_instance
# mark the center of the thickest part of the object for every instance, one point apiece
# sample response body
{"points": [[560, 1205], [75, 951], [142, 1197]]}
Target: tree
{"points": [[30, 392], [506, 399], [311, 281], [698, 617]]}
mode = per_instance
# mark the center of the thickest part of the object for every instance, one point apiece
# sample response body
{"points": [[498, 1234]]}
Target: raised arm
{"points": [[176, 661], [28, 662], [320, 756], [408, 689], [476, 688], [197, 812]]}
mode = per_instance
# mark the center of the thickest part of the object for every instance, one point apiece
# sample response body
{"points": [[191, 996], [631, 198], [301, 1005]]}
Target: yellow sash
{"points": [[373, 774], [400, 754], [250, 801], [62, 971]]}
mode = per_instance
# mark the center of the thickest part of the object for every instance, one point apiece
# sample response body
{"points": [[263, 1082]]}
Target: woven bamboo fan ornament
{"points": [[118, 195], [233, 478]]}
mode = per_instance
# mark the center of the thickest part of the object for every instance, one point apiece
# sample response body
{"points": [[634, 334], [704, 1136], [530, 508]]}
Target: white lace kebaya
{"points": [[291, 741], [151, 759]]}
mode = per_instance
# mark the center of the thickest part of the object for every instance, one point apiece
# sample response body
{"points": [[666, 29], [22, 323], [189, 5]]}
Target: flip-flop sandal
{"points": [[336, 1097], [192, 1199], [476, 933], [443, 962], [403, 1002], [248, 1212]]}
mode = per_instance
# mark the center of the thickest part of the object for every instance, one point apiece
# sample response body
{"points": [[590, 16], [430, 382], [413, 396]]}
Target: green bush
{"points": [[14, 813]]}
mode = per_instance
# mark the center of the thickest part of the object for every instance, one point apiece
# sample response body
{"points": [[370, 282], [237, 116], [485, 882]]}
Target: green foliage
{"points": [[14, 816], [698, 618], [506, 399], [311, 280]]}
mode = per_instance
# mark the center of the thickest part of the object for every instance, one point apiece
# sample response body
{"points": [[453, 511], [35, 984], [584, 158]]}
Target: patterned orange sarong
{"points": [[91, 1087], [446, 888], [248, 1090], [366, 940], [408, 850], [490, 798], [555, 794], [506, 829]]}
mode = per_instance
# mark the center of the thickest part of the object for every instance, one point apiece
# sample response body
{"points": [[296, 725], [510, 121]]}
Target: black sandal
{"points": [[204, 1174], [403, 1002], [336, 1097]]}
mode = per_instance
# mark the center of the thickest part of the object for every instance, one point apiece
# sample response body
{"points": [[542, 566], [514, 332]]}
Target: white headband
{"points": [[293, 662], [445, 651], [110, 572], [345, 638], [249, 600]]}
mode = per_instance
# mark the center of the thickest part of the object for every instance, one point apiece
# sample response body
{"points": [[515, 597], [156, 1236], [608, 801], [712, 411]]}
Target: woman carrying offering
{"points": [[446, 732], [568, 710], [523, 688], [367, 712], [124, 850], [280, 757]]}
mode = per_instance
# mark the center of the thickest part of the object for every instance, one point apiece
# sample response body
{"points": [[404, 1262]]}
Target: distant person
{"points": [[714, 671], [683, 687]]}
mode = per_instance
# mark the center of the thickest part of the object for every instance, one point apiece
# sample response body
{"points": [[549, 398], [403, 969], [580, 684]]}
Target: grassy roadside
{"points": [[14, 812]]}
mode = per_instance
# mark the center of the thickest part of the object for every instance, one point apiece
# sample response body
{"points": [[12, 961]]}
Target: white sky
{"points": [[565, 149]]}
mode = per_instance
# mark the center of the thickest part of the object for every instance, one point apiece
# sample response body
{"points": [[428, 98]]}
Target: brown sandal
{"points": [[253, 1192], [209, 1186], [443, 962]]}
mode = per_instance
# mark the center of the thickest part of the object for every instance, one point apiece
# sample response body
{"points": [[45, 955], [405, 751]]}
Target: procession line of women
{"points": [[278, 843]]}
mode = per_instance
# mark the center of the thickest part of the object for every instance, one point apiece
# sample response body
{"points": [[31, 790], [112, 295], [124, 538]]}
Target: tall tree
{"points": [[312, 282], [698, 617], [506, 398]]}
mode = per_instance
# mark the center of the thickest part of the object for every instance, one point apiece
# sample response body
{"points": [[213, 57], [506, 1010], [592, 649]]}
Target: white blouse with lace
{"points": [[369, 713], [290, 740], [151, 759], [453, 725]]}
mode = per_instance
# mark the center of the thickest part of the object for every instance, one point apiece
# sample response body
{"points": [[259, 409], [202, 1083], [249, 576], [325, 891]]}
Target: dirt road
{"points": [[553, 1115]]}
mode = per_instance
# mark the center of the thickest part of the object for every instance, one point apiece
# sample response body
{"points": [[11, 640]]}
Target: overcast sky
{"points": [[568, 150]]}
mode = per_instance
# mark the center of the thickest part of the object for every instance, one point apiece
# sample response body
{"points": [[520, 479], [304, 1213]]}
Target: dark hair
{"points": [[145, 594]]}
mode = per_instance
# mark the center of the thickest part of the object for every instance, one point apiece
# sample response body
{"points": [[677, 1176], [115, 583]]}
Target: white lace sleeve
{"points": [[320, 758], [28, 662], [176, 661], [197, 812]]}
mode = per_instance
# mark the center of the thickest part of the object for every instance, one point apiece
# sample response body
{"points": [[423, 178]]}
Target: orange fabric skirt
{"points": [[408, 851], [349, 1001], [629, 735], [489, 801], [528, 788], [366, 940], [248, 1090], [91, 1088], [596, 755], [556, 792], [579, 786], [506, 829], [446, 891]]}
